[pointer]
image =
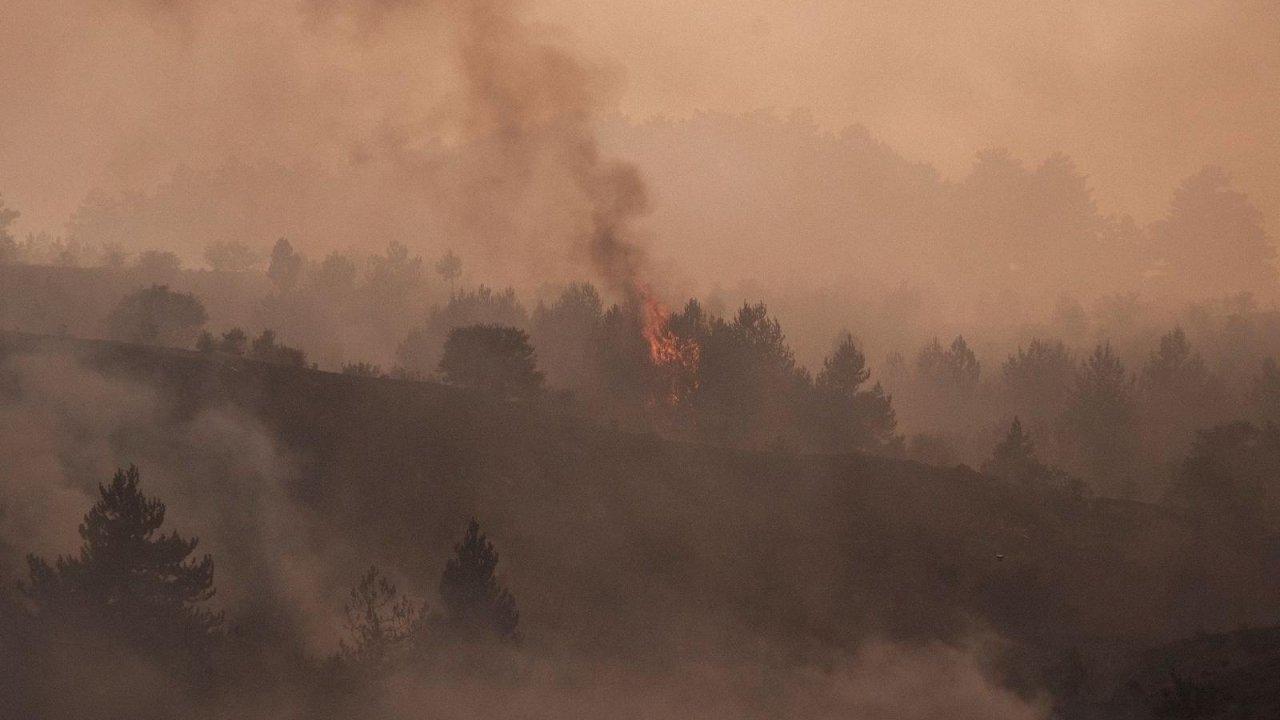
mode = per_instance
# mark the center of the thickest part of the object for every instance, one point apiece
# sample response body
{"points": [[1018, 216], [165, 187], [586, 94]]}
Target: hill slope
{"points": [[620, 545]]}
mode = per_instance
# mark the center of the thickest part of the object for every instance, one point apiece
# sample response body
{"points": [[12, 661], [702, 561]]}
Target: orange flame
{"points": [[679, 356]]}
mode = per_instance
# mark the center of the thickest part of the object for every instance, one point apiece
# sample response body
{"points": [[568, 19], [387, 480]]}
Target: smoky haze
{"points": [[802, 359], [1140, 95], [472, 125], [342, 124]]}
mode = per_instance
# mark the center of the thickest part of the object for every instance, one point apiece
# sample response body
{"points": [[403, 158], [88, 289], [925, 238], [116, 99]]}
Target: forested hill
{"points": [[620, 543]]}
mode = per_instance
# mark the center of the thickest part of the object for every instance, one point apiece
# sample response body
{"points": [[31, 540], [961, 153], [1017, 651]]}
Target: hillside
{"points": [[629, 545]]}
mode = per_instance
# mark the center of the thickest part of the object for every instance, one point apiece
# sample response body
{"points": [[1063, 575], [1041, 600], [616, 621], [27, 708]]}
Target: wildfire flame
{"points": [[679, 356], [664, 346]]}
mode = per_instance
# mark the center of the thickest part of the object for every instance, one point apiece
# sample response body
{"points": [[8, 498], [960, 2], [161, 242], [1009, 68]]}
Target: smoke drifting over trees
{"points": [[474, 126], [499, 357]]}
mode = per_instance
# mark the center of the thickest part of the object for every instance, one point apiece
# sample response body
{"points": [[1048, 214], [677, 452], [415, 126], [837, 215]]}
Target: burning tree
{"points": [[677, 356]]}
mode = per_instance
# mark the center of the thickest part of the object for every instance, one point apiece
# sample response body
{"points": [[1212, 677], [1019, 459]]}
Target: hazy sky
{"points": [[1140, 94]]}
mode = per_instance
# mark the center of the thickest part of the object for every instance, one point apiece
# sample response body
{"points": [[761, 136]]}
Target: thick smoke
{"points": [[530, 108], [223, 478], [539, 103], [338, 123]]}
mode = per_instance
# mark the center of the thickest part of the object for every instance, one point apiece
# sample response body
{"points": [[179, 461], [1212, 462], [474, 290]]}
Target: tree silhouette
{"points": [[1190, 699], [232, 342], [749, 390], [954, 368], [158, 265], [1265, 393], [363, 369], [627, 373], [420, 351], [1101, 416], [762, 337], [848, 416], [1228, 479], [1037, 383], [1179, 395], [286, 266], [206, 343], [449, 267], [931, 449], [475, 604], [378, 619], [567, 334], [8, 246], [268, 349], [493, 358], [1038, 379], [1213, 241], [945, 384], [845, 369], [335, 277], [1016, 446], [1069, 316], [1174, 365], [230, 256], [1014, 458], [394, 277], [113, 256], [129, 580], [157, 315]]}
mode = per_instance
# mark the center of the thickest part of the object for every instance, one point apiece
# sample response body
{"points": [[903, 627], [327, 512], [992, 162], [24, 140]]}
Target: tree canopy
{"points": [[475, 604], [8, 246], [494, 358], [230, 256], [129, 581], [157, 315], [420, 350], [286, 266]]}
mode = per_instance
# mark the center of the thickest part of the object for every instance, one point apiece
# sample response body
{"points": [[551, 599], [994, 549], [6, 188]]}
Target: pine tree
{"points": [[845, 369], [1015, 457], [1265, 393], [1016, 447], [449, 267], [8, 246], [475, 604], [286, 267], [849, 417], [1101, 419], [129, 581], [378, 619]]}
